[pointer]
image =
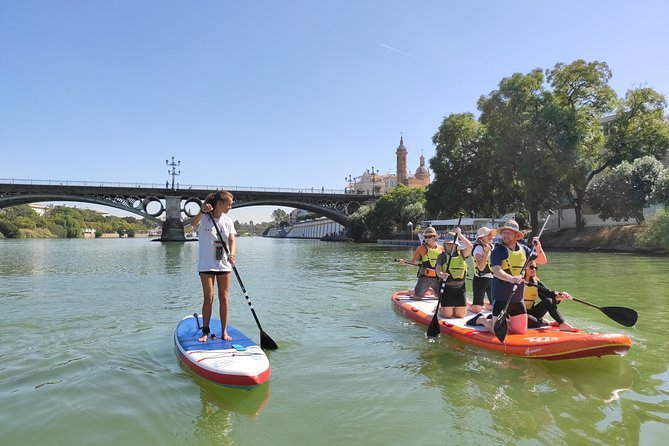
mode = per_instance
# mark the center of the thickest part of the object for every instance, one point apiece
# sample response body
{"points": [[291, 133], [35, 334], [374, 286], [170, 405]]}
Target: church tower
{"points": [[401, 163]]}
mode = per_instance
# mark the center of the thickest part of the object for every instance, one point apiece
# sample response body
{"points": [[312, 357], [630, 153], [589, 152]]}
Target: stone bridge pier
{"points": [[173, 227]]}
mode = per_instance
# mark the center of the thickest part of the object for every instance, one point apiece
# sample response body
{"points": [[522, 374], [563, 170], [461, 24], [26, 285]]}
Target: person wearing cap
{"points": [[507, 260], [482, 282], [425, 257], [452, 298]]}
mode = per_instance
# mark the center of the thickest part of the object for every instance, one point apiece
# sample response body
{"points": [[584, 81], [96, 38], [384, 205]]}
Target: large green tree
{"points": [[592, 129], [464, 177], [624, 191], [524, 166], [395, 209]]}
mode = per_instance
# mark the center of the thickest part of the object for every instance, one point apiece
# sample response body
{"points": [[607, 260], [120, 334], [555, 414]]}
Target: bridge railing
{"points": [[181, 187]]}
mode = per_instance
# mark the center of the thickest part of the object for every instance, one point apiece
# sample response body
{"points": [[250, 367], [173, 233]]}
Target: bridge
{"points": [[174, 207]]}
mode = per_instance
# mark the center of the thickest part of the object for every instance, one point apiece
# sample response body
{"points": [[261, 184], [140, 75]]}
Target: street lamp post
{"points": [[373, 174], [173, 172], [410, 226], [350, 183]]}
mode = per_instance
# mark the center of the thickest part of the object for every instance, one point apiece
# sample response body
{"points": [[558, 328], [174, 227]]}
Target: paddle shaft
{"points": [[263, 336]]}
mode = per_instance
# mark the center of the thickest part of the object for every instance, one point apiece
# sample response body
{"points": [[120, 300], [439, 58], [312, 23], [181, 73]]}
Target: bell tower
{"points": [[401, 162]]}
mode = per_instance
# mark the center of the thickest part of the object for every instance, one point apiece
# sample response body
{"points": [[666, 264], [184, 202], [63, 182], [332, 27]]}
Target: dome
{"points": [[422, 170]]}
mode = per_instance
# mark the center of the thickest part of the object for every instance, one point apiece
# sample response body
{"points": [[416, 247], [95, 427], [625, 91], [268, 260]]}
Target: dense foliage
{"points": [[541, 138], [65, 222], [654, 233], [390, 216], [624, 191]]}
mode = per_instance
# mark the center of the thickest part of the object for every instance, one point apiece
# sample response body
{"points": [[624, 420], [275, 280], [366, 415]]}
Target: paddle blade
{"points": [[433, 329], [267, 343], [624, 316], [501, 328]]}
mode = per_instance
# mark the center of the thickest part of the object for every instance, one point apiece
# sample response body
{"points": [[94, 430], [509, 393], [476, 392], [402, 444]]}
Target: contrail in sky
{"points": [[393, 49]]}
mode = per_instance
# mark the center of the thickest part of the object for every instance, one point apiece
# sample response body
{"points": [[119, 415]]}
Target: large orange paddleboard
{"points": [[540, 343]]}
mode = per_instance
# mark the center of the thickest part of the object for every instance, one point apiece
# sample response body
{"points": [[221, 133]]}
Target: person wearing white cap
{"points": [[426, 258], [452, 293], [507, 260], [482, 282]]}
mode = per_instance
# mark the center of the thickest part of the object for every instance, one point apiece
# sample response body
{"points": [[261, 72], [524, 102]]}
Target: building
{"points": [[374, 183]]}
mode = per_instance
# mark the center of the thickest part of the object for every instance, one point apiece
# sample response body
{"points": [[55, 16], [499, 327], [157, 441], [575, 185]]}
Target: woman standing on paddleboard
{"points": [[214, 264]]}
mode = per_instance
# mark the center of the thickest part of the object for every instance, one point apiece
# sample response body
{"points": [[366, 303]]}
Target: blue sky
{"points": [[280, 93]]}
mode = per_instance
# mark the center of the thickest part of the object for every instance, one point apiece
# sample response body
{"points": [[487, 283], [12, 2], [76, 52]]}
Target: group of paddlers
{"points": [[505, 271]]}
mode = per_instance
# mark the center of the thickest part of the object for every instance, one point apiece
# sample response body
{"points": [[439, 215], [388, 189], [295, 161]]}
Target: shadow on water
{"points": [[517, 398]]}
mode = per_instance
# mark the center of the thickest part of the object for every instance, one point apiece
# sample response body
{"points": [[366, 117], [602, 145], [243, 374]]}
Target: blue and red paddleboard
{"points": [[239, 362]]}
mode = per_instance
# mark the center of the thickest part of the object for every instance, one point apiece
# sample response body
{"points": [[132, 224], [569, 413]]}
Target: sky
{"points": [[289, 94]]}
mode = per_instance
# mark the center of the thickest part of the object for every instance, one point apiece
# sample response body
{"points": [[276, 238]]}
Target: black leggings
{"points": [[515, 308], [539, 310]]}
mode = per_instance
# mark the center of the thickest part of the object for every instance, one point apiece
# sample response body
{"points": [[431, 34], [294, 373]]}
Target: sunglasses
{"points": [[533, 267], [430, 236]]}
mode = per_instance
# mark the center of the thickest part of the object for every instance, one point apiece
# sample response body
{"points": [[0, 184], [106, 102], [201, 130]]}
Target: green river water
{"points": [[87, 354]]}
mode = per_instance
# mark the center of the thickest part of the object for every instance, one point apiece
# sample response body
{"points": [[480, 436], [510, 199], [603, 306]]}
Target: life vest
{"points": [[457, 269], [429, 260], [530, 295], [487, 269], [514, 263]]}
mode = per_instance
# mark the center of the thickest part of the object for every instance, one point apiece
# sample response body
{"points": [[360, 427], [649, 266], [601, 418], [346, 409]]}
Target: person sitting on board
{"points": [[507, 260], [452, 298], [425, 257], [213, 263], [482, 282], [548, 303]]}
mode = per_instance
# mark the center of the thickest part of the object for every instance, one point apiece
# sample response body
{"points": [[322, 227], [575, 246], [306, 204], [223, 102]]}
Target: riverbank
{"points": [[602, 239]]}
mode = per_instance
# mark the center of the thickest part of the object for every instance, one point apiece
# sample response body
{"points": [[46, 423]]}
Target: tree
{"points": [[462, 176], [594, 130], [395, 209], [357, 227], [279, 216], [524, 172], [661, 192], [624, 191]]}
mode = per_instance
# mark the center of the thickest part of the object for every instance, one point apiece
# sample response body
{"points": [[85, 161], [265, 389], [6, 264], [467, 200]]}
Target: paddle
{"points": [[501, 328], [266, 343], [622, 315], [433, 328]]}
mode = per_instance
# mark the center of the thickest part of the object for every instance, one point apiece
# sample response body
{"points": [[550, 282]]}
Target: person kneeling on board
{"points": [[452, 269], [548, 303], [426, 258], [507, 260]]}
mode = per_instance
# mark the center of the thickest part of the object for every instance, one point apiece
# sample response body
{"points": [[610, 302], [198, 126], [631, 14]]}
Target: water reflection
{"points": [[220, 405], [530, 399]]}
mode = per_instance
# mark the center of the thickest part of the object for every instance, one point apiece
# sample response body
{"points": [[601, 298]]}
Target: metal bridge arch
{"points": [[117, 202], [173, 214]]}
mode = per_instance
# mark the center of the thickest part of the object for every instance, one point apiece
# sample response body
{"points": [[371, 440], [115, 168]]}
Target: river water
{"points": [[87, 355]]}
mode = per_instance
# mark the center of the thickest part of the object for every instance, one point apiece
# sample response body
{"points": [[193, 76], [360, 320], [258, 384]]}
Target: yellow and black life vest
{"points": [[429, 260], [530, 295], [514, 263], [457, 269], [487, 269]]}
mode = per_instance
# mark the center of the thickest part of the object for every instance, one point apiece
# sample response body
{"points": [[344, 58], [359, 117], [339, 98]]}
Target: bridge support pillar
{"points": [[173, 228]]}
